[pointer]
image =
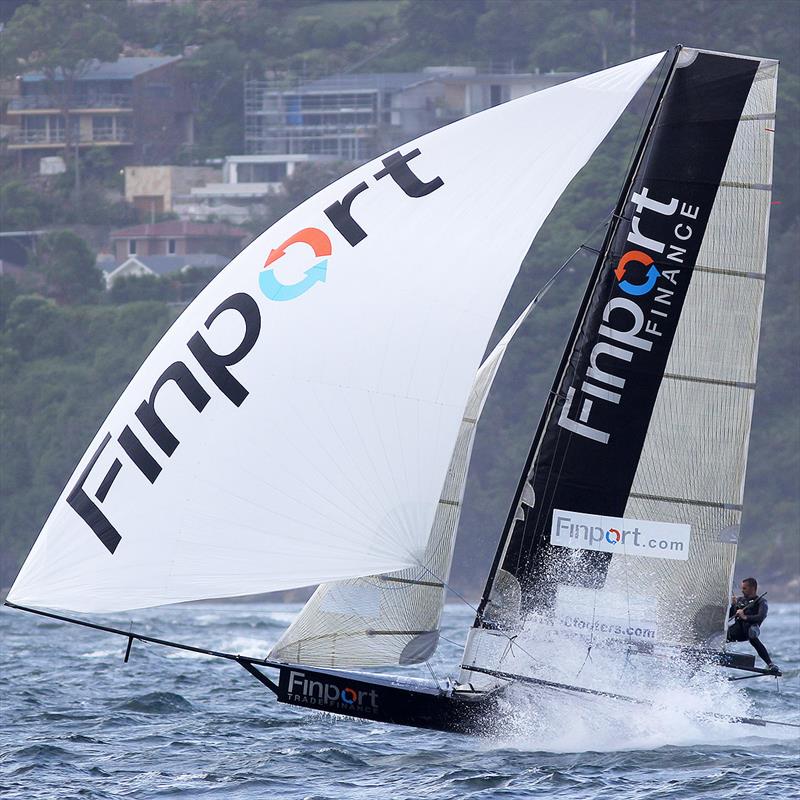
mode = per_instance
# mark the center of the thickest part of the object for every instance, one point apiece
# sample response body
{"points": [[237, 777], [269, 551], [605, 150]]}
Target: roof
{"points": [[365, 81], [124, 68], [179, 228], [396, 81], [168, 265]]}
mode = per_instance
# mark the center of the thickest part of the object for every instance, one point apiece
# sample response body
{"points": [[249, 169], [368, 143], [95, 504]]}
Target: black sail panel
{"points": [[592, 436]]}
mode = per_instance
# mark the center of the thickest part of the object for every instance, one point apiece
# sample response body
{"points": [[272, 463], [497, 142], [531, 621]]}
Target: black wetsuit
{"points": [[749, 628]]}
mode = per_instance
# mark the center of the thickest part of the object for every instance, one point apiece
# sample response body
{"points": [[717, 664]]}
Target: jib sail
{"points": [[393, 618], [626, 518]]}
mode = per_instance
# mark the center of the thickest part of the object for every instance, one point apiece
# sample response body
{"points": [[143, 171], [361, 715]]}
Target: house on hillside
{"points": [[153, 189], [356, 116], [140, 108], [177, 238], [159, 266], [248, 183]]}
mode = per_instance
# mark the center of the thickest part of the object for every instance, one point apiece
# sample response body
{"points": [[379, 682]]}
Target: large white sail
{"points": [[393, 619], [295, 424]]}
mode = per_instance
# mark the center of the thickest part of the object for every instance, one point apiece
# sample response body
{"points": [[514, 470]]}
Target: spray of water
{"points": [[670, 703]]}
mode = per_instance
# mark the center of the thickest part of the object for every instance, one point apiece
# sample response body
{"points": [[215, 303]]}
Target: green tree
{"points": [[133, 288], [444, 27], [68, 265], [8, 293], [505, 31], [22, 207], [35, 328]]}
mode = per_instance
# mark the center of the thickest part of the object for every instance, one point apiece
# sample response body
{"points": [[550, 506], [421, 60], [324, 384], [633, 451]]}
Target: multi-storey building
{"points": [[140, 108], [358, 116]]}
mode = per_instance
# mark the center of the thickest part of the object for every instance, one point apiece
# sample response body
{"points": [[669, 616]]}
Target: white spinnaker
{"points": [[332, 466], [390, 619]]}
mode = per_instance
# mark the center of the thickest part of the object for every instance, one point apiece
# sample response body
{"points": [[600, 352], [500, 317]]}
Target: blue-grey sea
{"points": [[78, 722]]}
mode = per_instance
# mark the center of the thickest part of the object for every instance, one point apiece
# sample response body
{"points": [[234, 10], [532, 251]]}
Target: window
{"points": [[171, 246], [158, 90], [261, 173], [131, 247], [35, 129], [123, 130], [55, 128], [103, 128]]}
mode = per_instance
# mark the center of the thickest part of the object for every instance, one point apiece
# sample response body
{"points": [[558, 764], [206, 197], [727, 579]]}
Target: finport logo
{"points": [[343, 216], [330, 696], [613, 536], [630, 537], [652, 275], [643, 314], [320, 245]]}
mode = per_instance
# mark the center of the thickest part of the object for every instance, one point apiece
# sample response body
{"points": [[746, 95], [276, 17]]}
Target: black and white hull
{"points": [[393, 699]]}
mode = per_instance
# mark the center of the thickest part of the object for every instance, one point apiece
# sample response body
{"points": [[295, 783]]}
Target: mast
{"points": [[672, 56]]}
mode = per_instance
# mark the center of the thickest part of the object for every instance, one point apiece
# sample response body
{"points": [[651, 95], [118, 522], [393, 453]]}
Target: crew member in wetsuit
{"points": [[748, 612]]}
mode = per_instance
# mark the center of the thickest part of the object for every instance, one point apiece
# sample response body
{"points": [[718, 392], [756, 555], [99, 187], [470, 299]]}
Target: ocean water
{"points": [[76, 722]]}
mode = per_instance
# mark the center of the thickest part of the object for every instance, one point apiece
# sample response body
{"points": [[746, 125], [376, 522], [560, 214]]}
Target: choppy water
{"points": [[77, 722]]}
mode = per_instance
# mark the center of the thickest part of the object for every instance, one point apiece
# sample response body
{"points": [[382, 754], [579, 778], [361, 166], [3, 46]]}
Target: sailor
{"points": [[745, 617]]}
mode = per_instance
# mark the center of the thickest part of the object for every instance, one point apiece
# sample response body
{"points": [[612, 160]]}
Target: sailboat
{"points": [[309, 418]]}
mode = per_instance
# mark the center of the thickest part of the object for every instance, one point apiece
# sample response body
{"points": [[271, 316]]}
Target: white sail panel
{"points": [[392, 619], [730, 354], [293, 426]]}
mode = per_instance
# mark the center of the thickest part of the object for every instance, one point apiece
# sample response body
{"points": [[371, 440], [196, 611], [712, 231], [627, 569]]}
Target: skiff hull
{"points": [[401, 701]]}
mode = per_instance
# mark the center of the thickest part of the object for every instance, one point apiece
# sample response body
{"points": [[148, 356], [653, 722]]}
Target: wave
{"points": [[158, 703]]}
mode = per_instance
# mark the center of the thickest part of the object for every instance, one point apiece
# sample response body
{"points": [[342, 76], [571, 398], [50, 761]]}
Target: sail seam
{"points": [[713, 381], [682, 500]]}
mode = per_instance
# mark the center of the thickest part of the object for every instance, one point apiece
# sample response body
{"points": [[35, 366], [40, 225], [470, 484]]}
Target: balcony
{"points": [[31, 139], [40, 102]]}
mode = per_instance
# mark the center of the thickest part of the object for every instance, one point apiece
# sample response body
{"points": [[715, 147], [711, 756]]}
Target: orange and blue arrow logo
{"points": [[615, 538], [637, 289], [319, 242]]}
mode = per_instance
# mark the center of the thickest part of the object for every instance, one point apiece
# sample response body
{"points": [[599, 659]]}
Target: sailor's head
{"points": [[749, 587]]}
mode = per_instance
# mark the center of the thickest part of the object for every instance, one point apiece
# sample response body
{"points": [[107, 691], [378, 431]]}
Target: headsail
{"points": [[295, 424], [391, 619], [626, 518]]}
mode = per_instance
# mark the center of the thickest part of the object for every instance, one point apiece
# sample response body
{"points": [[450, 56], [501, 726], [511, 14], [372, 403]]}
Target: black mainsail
{"points": [[626, 515]]}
